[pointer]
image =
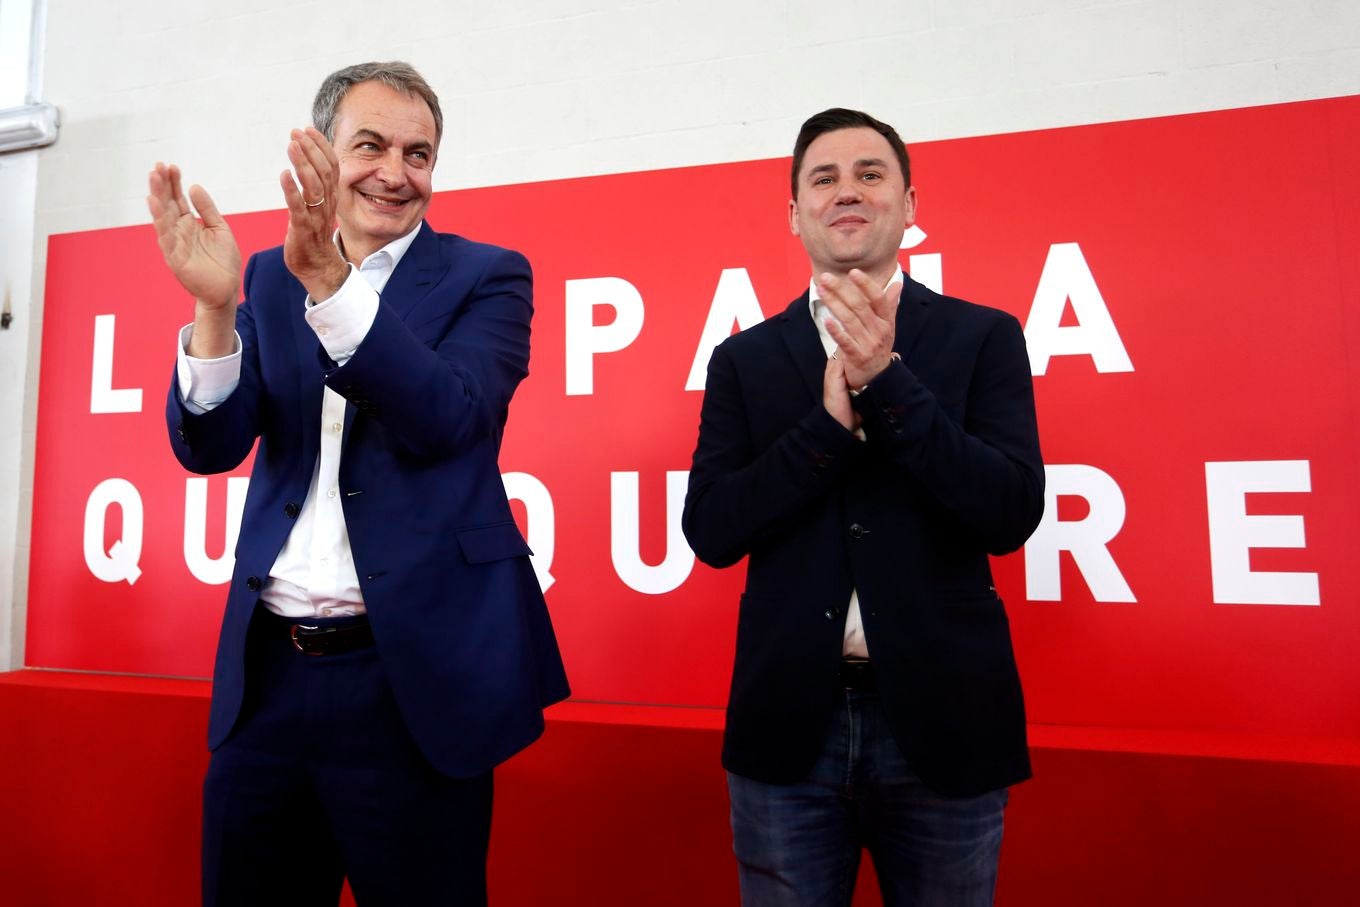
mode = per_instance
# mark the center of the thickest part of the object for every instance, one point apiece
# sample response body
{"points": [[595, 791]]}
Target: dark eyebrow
{"points": [[365, 134], [822, 168], [871, 162]]}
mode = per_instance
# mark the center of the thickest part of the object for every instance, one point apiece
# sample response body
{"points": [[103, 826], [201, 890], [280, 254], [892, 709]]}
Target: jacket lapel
{"points": [[415, 275], [912, 314], [419, 270], [311, 362], [804, 345]]}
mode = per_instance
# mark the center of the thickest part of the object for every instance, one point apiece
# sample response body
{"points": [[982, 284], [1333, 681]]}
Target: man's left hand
{"points": [[309, 249], [868, 322]]}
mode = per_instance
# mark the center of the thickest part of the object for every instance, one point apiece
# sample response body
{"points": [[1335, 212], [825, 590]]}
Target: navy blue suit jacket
{"points": [[456, 611], [950, 470]]}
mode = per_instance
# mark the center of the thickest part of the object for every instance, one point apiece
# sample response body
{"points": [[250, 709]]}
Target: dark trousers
{"points": [[320, 781]]}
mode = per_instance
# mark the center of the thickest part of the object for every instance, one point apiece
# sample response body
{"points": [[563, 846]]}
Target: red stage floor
{"points": [[99, 782]]}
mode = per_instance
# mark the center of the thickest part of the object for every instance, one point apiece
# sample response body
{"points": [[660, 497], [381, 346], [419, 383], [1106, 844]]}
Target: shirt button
{"points": [[324, 561], [327, 612], [322, 331], [336, 426], [332, 493]]}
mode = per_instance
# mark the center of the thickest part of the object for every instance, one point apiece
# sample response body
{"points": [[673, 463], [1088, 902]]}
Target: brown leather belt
{"points": [[323, 638]]}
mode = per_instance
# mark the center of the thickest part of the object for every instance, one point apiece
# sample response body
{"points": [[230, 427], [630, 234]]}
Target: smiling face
{"points": [[852, 203], [385, 142]]}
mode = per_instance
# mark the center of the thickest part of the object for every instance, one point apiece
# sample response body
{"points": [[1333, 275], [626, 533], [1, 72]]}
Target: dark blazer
{"points": [[457, 614], [950, 471]]}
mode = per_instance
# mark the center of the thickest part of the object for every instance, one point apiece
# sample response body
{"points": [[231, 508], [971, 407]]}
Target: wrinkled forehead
{"points": [[381, 109]]}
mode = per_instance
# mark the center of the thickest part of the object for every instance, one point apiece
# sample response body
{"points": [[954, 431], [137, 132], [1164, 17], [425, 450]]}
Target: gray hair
{"points": [[396, 75]]}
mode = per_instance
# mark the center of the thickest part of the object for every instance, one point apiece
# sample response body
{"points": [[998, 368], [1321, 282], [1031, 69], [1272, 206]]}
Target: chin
{"points": [[389, 228]]}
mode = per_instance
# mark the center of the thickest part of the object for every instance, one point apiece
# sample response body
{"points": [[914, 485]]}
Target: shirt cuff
{"points": [[341, 323], [205, 383]]}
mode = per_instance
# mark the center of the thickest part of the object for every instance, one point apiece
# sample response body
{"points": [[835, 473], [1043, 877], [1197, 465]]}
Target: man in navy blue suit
{"points": [[868, 448], [385, 642]]}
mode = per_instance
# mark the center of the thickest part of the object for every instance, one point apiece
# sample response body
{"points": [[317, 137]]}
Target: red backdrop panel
{"points": [[1223, 246]]}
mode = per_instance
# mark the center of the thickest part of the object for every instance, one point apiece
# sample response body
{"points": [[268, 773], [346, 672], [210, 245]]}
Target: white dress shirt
{"points": [[314, 574], [854, 642]]}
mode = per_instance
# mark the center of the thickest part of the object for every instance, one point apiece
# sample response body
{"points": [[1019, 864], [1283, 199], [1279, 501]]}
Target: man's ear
{"points": [[793, 217]]}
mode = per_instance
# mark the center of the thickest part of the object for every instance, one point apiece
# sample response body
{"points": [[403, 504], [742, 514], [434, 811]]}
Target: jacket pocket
{"points": [[495, 542]]}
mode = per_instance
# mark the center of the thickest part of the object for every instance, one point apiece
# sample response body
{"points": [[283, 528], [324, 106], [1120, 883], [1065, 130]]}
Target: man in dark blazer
{"points": [[867, 449], [385, 642]]}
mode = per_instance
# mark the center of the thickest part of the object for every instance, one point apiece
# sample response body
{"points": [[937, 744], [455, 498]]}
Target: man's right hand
{"points": [[202, 254]]}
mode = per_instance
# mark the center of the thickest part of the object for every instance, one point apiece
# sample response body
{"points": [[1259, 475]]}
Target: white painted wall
{"points": [[16, 20], [545, 89], [19, 83], [18, 180]]}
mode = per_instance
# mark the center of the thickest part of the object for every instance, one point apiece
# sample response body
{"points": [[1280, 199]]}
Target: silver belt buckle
{"points": [[297, 637]]}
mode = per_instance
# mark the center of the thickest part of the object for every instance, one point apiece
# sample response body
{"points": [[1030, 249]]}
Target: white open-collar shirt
{"points": [[314, 574]]}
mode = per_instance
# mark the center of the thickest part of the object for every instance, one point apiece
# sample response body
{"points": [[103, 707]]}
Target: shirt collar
{"points": [[392, 252], [814, 298]]}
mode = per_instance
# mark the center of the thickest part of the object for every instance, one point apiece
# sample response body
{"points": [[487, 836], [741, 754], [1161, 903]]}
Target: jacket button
{"points": [[291, 510], [830, 613], [179, 430], [857, 531], [253, 584]]}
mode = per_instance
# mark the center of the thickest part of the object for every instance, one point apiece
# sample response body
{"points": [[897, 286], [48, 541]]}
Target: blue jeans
{"points": [[798, 845]]}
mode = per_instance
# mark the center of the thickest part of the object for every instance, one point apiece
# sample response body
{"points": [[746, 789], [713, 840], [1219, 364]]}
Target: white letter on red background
{"points": [[1086, 538], [211, 570], [1233, 533], [584, 339], [733, 301], [1067, 276], [542, 530], [103, 397], [120, 562], [927, 270], [624, 538]]}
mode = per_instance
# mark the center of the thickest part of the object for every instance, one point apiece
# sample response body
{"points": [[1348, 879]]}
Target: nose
{"points": [[392, 168], [848, 193]]}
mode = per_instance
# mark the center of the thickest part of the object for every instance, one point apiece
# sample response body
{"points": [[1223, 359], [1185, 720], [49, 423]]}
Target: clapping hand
{"points": [[309, 249], [865, 324], [202, 254]]}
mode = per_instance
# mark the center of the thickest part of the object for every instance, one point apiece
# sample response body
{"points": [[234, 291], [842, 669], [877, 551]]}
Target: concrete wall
{"points": [[546, 89]]}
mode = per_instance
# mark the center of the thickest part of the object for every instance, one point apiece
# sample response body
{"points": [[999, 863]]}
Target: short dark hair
{"points": [[841, 118], [396, 75]]}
